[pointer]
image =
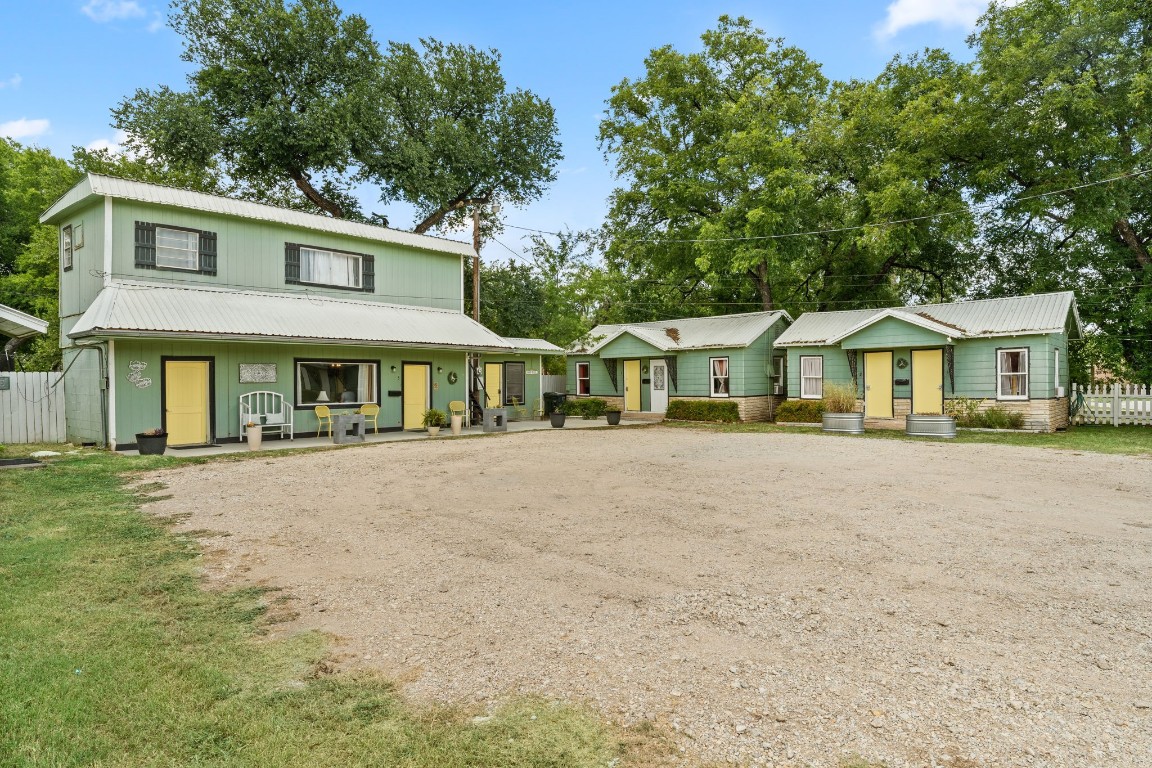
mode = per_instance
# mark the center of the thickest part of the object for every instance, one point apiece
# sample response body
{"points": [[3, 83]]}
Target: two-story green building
{"points": [[174, 304]]}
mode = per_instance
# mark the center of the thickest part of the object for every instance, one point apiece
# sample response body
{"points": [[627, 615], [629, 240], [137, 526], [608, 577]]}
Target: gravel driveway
{"points": [[776, 599]]}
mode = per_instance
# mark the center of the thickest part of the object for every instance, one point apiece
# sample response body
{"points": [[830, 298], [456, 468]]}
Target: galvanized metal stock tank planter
{"points": [[844, 423], [930, 426]]}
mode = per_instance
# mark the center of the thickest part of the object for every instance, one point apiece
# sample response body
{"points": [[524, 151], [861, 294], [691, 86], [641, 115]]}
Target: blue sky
{"points": [[65, 63]]}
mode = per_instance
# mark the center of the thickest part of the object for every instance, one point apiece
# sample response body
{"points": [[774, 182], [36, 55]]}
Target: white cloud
{"points": [[24, 128], [12, 82], [115, 145], [947, 13], [157, 23], [108, 10]]}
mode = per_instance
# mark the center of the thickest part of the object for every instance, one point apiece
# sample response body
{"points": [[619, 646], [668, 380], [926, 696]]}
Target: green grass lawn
{"points": [[1135, 441], [111, 653]]}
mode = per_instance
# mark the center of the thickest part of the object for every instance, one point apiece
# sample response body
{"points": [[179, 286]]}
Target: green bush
{"points": [[839, 398], [588, 407], [966, 411], [703, 410], [801, 411], [998, 417]]}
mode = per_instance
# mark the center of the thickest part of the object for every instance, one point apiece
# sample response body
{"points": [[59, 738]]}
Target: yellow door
{"points": [[416, 378], [928, 381], [494, 384], [186, 406], [878, 385], [631, 385]]}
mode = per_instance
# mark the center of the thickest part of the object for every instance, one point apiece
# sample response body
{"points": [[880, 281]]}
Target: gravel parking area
{"points": [[771, 599]]}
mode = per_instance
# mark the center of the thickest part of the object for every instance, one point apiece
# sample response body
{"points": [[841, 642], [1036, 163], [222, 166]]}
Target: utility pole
{"points": [[476, 264]]}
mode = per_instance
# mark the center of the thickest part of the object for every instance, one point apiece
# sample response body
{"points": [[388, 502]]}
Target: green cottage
{"points": [[641, 367], [174, 305], [1010, 352], [512, 379]]}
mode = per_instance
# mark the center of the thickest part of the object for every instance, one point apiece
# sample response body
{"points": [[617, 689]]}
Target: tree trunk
{"points": [[1126, 235], [453, 205], [317, 199], [763, 286]]}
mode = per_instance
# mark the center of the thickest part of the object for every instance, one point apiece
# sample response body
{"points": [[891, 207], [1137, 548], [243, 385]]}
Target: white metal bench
{"points": [[269, 410]]}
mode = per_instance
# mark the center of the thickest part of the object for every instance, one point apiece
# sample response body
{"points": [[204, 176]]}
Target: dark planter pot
{"points": [[930, 426], [844, 423], [613, 417], [557, 419], [152, 445]]}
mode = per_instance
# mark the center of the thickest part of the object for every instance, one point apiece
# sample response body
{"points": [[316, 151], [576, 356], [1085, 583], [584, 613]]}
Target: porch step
{"points": [[642, 416]]}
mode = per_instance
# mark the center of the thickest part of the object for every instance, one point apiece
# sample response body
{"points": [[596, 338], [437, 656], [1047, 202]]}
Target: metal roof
{"points": [[721, 331], [533, 345], [1011, 316], [96, 185], [146, 310], [18, 325]]}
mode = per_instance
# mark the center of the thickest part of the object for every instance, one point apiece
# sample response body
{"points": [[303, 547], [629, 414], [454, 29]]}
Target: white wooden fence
{"points": [[1114, 404], [32, 408], [553, 383]]}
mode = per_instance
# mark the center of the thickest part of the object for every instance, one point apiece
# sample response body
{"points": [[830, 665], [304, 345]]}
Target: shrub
{"points": [[703, 410], [839, 398], [998, 417], [434, 417], [801, 411], [966, 411], [588, 407]]}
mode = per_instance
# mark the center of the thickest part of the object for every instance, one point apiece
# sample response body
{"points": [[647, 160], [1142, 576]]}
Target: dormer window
{"points": [[166, 246], [327, 268]]}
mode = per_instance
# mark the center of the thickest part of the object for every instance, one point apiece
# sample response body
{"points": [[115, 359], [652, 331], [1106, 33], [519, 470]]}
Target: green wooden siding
{"points": [[601, 383], [630, 347], [250, 254], [138, 409], [975, 365], [891, 333], [79, 285]]}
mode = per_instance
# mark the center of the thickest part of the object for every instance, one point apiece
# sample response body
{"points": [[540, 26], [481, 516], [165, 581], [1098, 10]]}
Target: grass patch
{"points": [[112, 654], [1132, 441]]}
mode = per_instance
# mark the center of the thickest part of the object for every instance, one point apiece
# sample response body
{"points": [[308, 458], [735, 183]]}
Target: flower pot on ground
{"points": [[840, 414], [433, 420], [457, 423], [152, 442], [255, 436], [613, 417], [556, 418], [930, 425]]}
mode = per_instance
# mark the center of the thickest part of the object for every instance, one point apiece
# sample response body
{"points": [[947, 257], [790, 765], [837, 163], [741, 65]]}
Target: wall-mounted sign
{"points": [[258, 373], [136, 374]]}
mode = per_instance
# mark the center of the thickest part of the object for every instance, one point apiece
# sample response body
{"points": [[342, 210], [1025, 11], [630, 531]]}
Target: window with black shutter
{"points": [[166, 246], [327, 268]]}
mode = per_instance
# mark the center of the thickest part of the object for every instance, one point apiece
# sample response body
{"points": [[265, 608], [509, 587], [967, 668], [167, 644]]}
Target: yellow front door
{"points": [[186, 405], [928, 381], [494, 384], [416, 379], [878, 385], [631, 385]]}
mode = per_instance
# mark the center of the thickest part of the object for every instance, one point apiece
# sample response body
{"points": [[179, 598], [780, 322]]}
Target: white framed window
{"points": [[583, 379], [779, 377], [330, 268], [66, 248], [811, 377], [719, 376], [1012, 374], [177, 248], [335, 382]]}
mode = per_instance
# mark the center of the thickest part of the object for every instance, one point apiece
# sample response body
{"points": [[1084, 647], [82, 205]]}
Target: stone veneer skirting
{"points": [[1042, 415]]}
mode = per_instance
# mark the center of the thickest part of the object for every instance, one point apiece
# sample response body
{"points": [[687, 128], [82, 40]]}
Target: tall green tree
{"points": [[1064, 97], [455, 138]]}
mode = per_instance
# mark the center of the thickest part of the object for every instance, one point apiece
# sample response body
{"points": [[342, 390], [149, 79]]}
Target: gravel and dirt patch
{"points": [[772, 599]]}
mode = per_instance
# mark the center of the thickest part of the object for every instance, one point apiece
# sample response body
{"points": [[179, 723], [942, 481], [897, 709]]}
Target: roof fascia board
{"points": [[911, 319], [104, 333], [33, 324]]}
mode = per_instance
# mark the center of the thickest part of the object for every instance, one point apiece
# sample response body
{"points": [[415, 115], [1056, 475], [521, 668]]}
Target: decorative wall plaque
{"points": [[137, 369], [258, 373]]}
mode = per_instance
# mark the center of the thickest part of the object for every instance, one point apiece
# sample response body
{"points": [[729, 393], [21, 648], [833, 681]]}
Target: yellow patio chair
{"points": [[370, 412], [323, 412]]}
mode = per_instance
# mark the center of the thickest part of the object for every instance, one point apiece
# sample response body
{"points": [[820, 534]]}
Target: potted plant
{"points": [[255, 435], [152, 442], [840, 412], [565, 409], [613, 416], [433, 420]]}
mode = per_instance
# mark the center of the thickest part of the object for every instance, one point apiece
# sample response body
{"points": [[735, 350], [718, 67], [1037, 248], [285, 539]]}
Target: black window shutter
{"points": [[291, 263], [208, 253], [368, 275], [145, 245]]}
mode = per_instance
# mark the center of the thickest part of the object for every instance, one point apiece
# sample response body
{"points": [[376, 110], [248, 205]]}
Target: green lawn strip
{"points": [[1134, 441], [111, 653]]}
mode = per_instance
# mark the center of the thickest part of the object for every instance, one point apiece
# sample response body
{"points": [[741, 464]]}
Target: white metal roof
{"points": [[1011, 316], [716, 332], [146, 310], [96, 185], [18, 325], [533, 345]]}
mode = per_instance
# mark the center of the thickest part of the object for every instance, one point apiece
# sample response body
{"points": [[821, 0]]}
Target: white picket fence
{"points": [[32, 408], [1115, 404]]}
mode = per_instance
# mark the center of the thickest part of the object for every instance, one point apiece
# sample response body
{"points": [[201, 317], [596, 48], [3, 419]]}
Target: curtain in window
{"points": [[719, 376], [363, 385], [1013, 373], [812, 377], [327, 268]]}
